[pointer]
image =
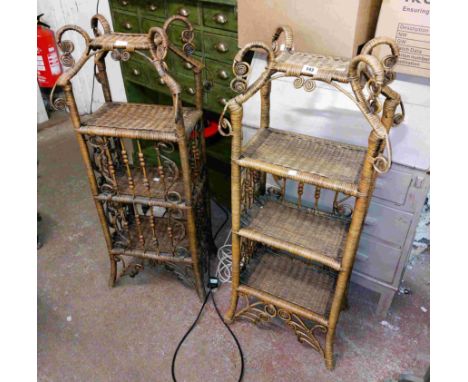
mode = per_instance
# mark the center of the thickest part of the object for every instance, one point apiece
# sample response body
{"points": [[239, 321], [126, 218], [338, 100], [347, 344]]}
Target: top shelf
{"points": [[127, 41], [312, 65]]}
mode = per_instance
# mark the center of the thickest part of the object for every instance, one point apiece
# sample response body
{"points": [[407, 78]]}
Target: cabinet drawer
{"points": [[377, 259], [125, 22], [175, 35], [220, 16], [218, 96], [387, 223], [177, 66], [126, 5], [135, 71], [221, 48], [153, 8], [187, 9], [220, 72], [148, 23], [393, 186], [187, 85]]}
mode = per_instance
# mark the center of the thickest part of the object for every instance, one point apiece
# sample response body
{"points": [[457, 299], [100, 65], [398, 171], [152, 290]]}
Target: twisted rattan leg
{"points": [[75, 118], [236, 119], [113, 271]]}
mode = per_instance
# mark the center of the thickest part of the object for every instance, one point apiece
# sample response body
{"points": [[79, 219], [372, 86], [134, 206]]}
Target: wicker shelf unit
{"points": [[290, 260], [153, 205]]}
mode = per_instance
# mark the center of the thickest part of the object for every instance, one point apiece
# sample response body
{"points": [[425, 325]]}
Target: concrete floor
{"points": [[89, 332]]}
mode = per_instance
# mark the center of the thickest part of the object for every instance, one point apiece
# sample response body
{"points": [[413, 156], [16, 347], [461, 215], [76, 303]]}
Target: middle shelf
{"points": [[313, 235]]}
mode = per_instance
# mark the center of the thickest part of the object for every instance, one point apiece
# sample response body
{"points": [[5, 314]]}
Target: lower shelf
{"points": [[308, 285]]}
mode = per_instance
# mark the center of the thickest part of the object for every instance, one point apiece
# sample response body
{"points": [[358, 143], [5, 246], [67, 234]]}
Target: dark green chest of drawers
{"points": [[215, 23]]}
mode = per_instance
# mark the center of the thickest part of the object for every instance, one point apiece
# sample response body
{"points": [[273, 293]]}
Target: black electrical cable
{"points": [[239, 348], [226, 218]]}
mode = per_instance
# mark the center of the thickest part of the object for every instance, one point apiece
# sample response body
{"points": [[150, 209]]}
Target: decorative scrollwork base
{"points": [[260, 312]]}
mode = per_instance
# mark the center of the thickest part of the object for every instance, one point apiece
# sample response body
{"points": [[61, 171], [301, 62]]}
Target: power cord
{"points": [[212, 285]]}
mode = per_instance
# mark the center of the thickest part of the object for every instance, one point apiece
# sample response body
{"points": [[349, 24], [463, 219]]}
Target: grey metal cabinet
{"points": [[388, 235]]}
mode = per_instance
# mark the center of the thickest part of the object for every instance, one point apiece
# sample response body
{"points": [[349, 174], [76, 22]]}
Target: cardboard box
{"points": [[407, 21], [330, 27]]}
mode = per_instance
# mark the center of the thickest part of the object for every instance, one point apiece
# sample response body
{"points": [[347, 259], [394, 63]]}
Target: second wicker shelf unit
{"points": [[290, 261]]}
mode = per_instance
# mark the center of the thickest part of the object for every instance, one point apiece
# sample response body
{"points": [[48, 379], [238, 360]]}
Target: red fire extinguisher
{"points": [[48, 63]]}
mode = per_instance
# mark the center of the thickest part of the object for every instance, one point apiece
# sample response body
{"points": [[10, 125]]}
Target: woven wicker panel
{"points": [[314, 230], [334, 66], [164, 240], [328, 159], [307, 285], [133, 41], [134, 116]]}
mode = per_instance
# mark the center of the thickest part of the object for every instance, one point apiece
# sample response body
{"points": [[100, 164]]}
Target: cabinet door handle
{"points": [[184, 12], [219, 18], [223, 74], [221, 47], [188, 65], [153, 7], [128, 26], [191, 91], [370, 221], [222, 101], [136, 72]]}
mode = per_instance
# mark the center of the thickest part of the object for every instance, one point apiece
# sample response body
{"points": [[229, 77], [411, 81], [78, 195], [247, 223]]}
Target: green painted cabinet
{"points": [[215, 24]]}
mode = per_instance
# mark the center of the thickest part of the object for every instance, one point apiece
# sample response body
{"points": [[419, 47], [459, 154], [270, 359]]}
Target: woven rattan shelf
{"points": [[321, 162], [309, 280], [139, 121], [145, 163], [309, 286], [300, 64], [311, 234]]}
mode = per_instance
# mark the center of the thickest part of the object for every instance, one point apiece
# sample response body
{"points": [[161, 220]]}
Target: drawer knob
{"points": [[184, 12], [124, 3], [128, 26], [369, 221], [223, 74], [136, 72], [222, 101], [188, 65], [191, 91], [221, 47], [153, 7], [219, 18]]}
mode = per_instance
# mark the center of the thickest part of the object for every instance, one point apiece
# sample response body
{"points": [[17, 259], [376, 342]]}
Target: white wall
{"points": [[41, 111], [58, 13]]}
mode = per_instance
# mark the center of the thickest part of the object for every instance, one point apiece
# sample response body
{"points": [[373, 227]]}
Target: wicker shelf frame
{"points": [[153, 205], [309, 281]]}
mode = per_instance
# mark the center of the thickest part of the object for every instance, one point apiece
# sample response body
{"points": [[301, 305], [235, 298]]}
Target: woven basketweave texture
{"points": [[307, 285], [154, 119], [333, 160], [313, 230], [335, 68], [129, 41]]}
